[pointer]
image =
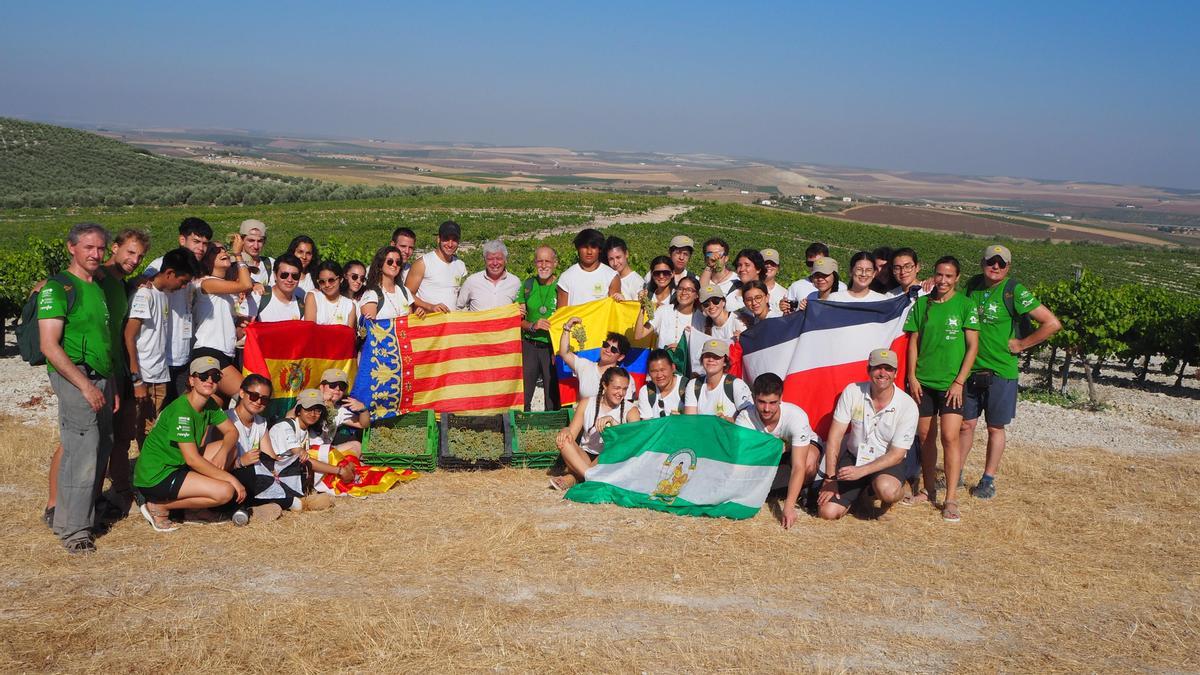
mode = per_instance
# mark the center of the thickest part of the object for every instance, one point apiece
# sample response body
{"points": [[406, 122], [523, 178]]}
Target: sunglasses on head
{"points": [[208, 376], [335, 385], [996, 261], [295, 276], [255, 397], [714, 301]]}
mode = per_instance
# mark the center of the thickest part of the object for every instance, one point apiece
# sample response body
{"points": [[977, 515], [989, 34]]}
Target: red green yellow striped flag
{"points": [[293, 354]]}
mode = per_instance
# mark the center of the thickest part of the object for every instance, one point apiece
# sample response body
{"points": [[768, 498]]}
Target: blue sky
{"points": [[1097, 90]]}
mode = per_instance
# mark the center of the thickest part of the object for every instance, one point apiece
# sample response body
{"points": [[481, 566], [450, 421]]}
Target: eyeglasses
{"points": [[392, 262], [612, 347], [713, 301], [335, 385], [295, 276], [662, 273], [213, 376], [327, 281], [905, 268], [684, 289], [354, 277], [996, 261], [865, 273], [255, 397]]}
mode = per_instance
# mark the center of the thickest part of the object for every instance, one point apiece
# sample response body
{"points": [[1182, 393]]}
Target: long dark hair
{"points": [[375, 276], [675, 298], [651, 289], [329, 266], [605, 380], [755, 259], [316, 256], [346, 284]]}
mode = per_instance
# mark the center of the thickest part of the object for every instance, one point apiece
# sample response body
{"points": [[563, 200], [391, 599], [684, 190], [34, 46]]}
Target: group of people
{"points": [[157, 359]]}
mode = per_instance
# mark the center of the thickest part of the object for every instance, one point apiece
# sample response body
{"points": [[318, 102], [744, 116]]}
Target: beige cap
{"points": [[770, 255], [997, 250], [332, 375], [203, 364], [681, 241], [883, 357], [824, 266], [310, 398], [248, 227], [711, 291], [716, 348]]}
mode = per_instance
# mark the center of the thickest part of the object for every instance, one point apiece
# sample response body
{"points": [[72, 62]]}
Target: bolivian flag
{"points": [[446, 362], [293, 355]]}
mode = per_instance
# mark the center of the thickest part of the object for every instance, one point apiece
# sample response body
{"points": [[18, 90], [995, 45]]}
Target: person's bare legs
{"points": [[966, 438], [889, 490], [996, 442], [224, 460], [952, 458], [55, 460], [200, 492], [927, 432], [577, 461]]}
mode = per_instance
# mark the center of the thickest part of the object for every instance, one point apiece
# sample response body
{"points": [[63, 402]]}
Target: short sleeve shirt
{"points": [[288, 439], [249, 437], [149, 306], [942, 327], [714, 401], [178, 423], [179, 328], [395, 304], [478, 293], [893, 427], [117, 297], [581, 286], [86, 335], [997, 327], [793, 427], [665, 403]]}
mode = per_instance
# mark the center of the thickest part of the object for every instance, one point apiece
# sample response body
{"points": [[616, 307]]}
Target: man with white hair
{"points": [[493, 286]]}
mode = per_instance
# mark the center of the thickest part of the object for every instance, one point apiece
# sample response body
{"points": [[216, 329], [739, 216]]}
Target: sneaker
{"points": [[267, 512], [80, 546], [984, 490], [241, 517], [158, 517]]}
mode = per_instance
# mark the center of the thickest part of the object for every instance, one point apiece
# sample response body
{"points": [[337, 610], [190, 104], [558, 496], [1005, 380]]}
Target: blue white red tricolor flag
{"points": [[819, 351]]}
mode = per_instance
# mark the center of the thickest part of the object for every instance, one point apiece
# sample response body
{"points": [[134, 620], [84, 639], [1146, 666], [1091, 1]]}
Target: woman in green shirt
{"points": [[943, 340], [171, 471]]}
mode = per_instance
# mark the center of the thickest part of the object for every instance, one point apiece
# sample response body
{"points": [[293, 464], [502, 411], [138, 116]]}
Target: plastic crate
{"points": [[494, 422], [551, 421], [422, 461]]}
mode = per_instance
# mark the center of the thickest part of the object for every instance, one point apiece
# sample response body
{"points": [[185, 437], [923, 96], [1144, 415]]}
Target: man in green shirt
{"points": [[77, 342], [539, 296], [992, 387]]}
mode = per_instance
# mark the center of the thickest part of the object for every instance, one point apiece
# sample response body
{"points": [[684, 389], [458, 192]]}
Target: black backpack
{"points": [[1022, 325], [28, 336]]}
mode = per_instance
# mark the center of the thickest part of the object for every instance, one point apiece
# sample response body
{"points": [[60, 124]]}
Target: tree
{"points": [[1094, 319]]}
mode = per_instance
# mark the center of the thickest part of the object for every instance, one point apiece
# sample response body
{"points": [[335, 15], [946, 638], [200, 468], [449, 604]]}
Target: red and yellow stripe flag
{"points": [[293, 354]]}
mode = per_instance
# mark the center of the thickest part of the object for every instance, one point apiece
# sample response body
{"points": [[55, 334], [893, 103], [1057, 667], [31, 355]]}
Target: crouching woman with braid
{"points": [[608, 407]]}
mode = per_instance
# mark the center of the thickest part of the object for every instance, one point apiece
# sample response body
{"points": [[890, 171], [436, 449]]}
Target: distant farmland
{"points": [[948, 221]]}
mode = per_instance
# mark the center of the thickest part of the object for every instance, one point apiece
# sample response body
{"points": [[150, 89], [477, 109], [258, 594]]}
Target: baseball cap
{"points": [[770, 255], [681, 241], [824, 265], [997, 250], [449, 230], [310, 398], [883, 357], [203, 364], [711, 291], [332, 375], [248, 226], [716, 348]]}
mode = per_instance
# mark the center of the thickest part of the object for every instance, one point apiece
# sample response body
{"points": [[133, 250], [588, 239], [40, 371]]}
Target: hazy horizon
{"points": [[1094, 92]]}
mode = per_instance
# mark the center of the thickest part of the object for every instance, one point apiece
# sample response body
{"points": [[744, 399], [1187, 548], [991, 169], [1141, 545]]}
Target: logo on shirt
{"points": [[675, 472], [183, 426]]}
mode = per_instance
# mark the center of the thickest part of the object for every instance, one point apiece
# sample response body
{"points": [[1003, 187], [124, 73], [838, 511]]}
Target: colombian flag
{"points": [[599, 318], [455, 362], [293, 355]]}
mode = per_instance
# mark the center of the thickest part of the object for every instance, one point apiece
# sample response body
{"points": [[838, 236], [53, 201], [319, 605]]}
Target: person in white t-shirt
{"points": [[348, 412], [906, 268], [862, 274], [216, 315], [748, 266], [247, 418], [305, 250], [660, 282], [662, 394], [281, 473], [581, 441], [671, 322], [493, 286], [254, 238], [435, 278], [616, 252], [588, 372], [788, 422], [716, 271], [714, 319], [803, 287], [328, 306], [715, 392], [194, 235], [874, 425], [588, 279], [758, 304], [386, 297], [284, 302], [825, 279], [775, 290]]}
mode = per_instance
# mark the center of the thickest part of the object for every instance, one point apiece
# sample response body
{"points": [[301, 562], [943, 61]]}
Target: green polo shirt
{"points": [[178, 423], [87, 337]]}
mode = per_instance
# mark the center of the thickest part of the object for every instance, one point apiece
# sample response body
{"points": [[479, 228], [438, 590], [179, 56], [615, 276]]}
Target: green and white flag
{"points": [[693, 465]]}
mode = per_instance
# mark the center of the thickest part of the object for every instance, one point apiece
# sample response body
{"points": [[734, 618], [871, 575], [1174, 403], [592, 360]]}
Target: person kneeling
{"points": [[171, 472], [607, 408], [788, 422], [882, 423]]}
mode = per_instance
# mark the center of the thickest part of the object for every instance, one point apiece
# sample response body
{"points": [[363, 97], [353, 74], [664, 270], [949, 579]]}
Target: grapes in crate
{"points": [[398, 440], [472, 445], [537, 440]]}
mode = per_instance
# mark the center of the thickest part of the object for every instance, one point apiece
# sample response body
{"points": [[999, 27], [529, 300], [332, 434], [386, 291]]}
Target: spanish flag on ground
{"points": [[293, 355]]}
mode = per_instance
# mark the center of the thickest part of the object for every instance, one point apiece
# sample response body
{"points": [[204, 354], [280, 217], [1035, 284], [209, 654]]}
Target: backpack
{"points": [[1022, 325], [652, 394], [698, 382], [28, 336]]}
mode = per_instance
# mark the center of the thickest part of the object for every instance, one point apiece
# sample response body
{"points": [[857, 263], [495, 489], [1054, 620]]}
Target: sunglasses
{"points": [[295, 276], [662, 273], [392, 262], [713, 301], [612, 347], [255, 397], [996, 261], [335, 385], [208, 376], [326, 282], [354, 277]]}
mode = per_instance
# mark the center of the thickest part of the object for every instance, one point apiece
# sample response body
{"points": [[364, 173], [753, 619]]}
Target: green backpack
{"points": [[29, 338]]}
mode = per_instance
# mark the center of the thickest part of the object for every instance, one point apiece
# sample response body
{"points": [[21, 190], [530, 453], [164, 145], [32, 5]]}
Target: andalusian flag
{"points": [[293, 355], [692, 465], [446, 362], [599, 318]]}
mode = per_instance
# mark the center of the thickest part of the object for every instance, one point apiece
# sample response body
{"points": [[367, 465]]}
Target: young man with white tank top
{"points": [[436, 277]]}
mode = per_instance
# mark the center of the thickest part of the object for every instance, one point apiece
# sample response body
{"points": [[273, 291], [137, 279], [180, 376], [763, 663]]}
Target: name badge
{"points": [[867, 454]]}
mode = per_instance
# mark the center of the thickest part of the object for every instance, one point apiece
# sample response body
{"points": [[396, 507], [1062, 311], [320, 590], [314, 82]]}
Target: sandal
{"points": [[158, 517], [919, 498], [950, 512], [563, 483]]}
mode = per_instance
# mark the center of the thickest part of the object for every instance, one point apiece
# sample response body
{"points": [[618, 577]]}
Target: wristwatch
{"points": [[136, 378]]}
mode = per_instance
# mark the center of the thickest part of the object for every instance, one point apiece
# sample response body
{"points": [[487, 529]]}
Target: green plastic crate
{"points": [[424, 461], [552, 420]]}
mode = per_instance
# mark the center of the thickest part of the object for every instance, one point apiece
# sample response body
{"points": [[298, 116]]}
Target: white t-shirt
{"points": [[335, 313], [150, 306], [669, 325], [306, 284], [894, 426], [775, 295], [665, 403], [582, 287], [278, 310], [800, 290], [263, 275], [793, 427], [733, 325], [714, 401], [727, 285], [395, 304], [325, 435], [591, 440], [844, 296], [249, 438], [288, 441], [587, 372], [631, 285], [213, 314], [179, 327], [441, 281]]}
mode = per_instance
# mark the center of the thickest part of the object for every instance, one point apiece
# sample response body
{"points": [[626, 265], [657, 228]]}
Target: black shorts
{"points": [[933, 403], [168, 488], [222, 358], [849, 490]]}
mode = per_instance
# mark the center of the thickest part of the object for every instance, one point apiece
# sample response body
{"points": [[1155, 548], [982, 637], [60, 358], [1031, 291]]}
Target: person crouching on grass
{"points": [[608, 407], [171, 473], [874, 424]]}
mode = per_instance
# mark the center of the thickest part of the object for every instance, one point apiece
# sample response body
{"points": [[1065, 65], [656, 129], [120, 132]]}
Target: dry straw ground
{"points": [[1086, 561]]}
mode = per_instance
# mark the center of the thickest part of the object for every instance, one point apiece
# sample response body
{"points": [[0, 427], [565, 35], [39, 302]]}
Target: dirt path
{"points": [[660, 215]]}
